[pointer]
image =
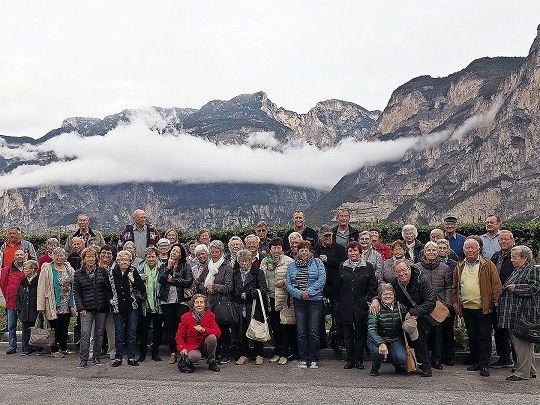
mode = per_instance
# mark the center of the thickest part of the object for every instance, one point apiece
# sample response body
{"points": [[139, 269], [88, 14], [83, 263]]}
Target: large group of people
{"points": [[203, 299]]}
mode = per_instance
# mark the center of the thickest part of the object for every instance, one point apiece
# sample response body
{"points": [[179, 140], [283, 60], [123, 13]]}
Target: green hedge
{"points": [[525, 233]]}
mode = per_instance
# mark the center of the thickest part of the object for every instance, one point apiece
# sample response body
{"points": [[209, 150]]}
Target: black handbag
{"points": [[525, 330], [226, 312]]}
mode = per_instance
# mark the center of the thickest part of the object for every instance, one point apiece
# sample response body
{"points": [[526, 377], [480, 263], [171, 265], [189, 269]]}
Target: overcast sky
{"points": [[67, 58]]}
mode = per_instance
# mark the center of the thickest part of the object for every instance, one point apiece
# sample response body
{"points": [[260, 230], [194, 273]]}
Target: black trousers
{"points": [[448, 341], [171, 317], [420, 345], [503, 342], [276, 328], [247, 347], [61, 326], [479, 328], [145, 321], [436, 343], [354, 338]]}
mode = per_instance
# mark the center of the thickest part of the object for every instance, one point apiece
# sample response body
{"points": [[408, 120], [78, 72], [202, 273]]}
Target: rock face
{"points": [[181, 205], [490, 163]]}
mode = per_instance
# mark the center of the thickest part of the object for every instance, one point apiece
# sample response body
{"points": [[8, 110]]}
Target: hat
{"points": [[450, 219], [325, 230], [410, 327]]}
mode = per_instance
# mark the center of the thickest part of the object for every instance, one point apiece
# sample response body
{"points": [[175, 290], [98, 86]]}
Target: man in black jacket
{"points": [[307, 233], [414, 291], [501, 259], [332, 255], [343, 232]]}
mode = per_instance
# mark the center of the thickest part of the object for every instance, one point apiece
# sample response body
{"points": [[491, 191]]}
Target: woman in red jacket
{"points": [[198, 332]]}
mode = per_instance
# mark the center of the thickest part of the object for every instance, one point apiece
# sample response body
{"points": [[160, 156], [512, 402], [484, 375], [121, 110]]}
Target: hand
{"points": [[324, 258], [280, 283], [243, 296], [409, 316], [383, 350], [170, 264], [130, 277], [304, 295], [375, 307], [73, 311], [83, 313], [511, 287], [210, 288], [144, 277], [169, 278], [183, 351], [200, 329]]}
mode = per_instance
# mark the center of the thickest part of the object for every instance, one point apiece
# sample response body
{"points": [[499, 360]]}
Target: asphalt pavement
{"points": [[29, 379]]}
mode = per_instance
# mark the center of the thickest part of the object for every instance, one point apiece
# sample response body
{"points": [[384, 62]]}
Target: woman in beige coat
{"points": [[55, 298]]}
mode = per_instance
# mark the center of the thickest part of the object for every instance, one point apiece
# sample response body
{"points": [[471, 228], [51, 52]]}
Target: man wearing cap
{"points": [[332, 255], [455, 239], [414, 291], [343, 232], [307, 233]]}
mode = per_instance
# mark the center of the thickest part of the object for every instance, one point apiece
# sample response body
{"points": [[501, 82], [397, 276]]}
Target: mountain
{"points": [[489, 163], [175, 204]]}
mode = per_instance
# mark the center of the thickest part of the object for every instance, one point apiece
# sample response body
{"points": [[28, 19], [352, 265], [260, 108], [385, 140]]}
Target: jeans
{"points": [[121, 320], [12, 328], [479, 331], [308, 320], [87, 321], [396, 351]]}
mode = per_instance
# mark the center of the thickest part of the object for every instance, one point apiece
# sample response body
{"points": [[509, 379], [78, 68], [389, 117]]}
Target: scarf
{"points": [[354, 265], [429, 265], [198, 317], [213, 268], [304, 263], [150, 283], [243, 275]]}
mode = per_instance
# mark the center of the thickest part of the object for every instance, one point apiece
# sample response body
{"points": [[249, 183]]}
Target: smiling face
{"points": [[471, 250], [403, 272], [388, 297], [409, 236], [304, 253], [431, 252], [492, 224], [140, 218], [19, 257], [199, 305], [163, 249], [235, 245], [353, 254], [151, 259], [204, 238], [105, 258], [398, 252], [443, 249], [173, 238], [506, 241], [450, 227], [90, 258], [77, 245], [343, 218], [299, 220], [276, 251], [365, 241], [176, 253], [252, 245], [83, 221], [202, 257]]}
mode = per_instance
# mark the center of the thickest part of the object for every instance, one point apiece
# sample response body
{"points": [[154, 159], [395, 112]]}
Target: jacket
{"points": [[355, 290], [388, 274], [335, 256], [10, 278], [254, 280], [281, 293], [441, 281], [353, 233], [182, 278], [26, 246], [307, 234], [46, 300], [524, 300], [26, 300], [124, 296], [92, 294], [376, 260], [490, 286], [152, 236], [223, 285], [198, 282], [95, 237], [504, 265], [386, 325], [316, 279], [417, 249], [384, 251], [188, 338], [419, 289]]}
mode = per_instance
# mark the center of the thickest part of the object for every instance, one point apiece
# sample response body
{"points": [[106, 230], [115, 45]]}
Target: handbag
{"points": [[526, 330], [435, 317], [41, 334], [226, 312], [258, 330], [286, 314], [411, 364]]}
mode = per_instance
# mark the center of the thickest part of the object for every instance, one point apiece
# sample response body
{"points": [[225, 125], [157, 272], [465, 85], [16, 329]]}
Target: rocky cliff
{"points": [[488, 118]]}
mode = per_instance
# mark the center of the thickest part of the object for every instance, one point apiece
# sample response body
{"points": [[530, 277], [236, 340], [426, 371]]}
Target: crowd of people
{"points": [[202, 297]]}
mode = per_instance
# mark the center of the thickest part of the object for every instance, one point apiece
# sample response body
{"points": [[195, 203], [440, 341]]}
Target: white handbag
{"points": [[257, 330]]}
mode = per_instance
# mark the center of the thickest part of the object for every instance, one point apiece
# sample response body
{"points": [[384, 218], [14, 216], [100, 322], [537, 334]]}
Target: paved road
{"points": [[58, 381]]}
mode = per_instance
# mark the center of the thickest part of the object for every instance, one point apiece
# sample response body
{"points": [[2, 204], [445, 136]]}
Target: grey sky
{"points": [[68, 58]]}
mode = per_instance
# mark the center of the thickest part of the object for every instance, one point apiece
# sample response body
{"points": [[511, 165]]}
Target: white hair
{"points": [[201, 248], [409, 227], [295, 235]]}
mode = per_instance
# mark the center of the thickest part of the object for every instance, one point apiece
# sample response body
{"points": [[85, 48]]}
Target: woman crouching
{"points": [[197, 335]]}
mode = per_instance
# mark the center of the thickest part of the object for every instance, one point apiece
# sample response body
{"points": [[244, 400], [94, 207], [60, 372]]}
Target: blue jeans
{"points": [[12, 328], [308, 319], [396, 352], [120, 321]]}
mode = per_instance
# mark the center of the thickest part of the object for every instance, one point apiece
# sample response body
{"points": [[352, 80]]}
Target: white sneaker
{"points": [[241, 361], [303, 364], [282, 360], [274, 359], [314, 364], [259, 361]]}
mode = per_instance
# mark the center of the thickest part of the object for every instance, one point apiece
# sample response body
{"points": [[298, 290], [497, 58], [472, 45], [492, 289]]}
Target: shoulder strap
{"points": [[407, 294], [262, 306], [403, 330]]}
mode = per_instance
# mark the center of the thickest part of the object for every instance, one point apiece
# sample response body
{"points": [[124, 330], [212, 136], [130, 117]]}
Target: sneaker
{"points": [[97, 362], [133, 362], [66, 352], [241, 361], [223, 360], [82, 364], [502, 364], [259, 361], [116, 363], [303, 364], [314, 364], [25, 353], [58, 355], [11, 350], [274, 359], [282, 361]]}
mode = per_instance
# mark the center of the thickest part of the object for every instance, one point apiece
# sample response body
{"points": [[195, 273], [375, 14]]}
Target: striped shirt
{"points": [[302, 278]]}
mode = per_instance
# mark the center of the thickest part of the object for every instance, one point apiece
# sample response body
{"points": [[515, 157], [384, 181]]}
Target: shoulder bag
{"points": [[41, 334], [226, 312], [524, 329], [258, 330], [411, 364], [437, 316]]}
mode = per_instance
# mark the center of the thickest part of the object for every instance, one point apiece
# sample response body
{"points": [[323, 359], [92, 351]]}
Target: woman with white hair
{"points": [[414, 246], [127, 292], [520, 301], [235, 245], [199, 269], [294, 239], [130, 247], [219, 285], [440, 277], [55, 298]]}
